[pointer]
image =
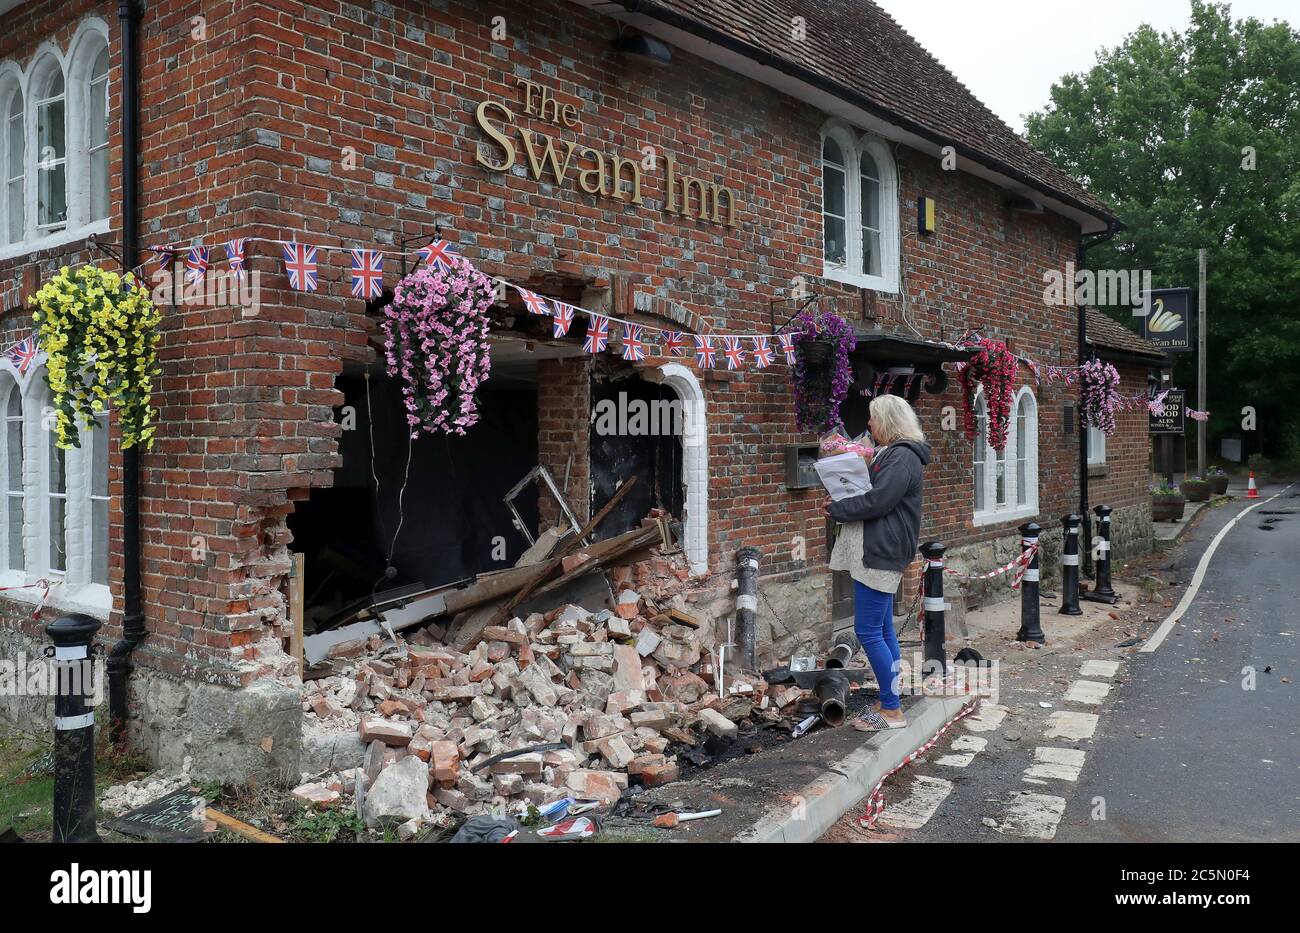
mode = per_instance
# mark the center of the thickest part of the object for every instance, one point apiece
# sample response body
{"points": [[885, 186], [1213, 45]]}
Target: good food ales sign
{"points": [[605, 174]]}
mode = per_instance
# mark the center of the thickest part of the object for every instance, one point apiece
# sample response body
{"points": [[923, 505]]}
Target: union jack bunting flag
{"points": [[367, 273], [786, 343], [164, 254], [23, 353], [534, 302], [561, 318], [633, 345], [763, 354], [733, 352], [439, 253], [674, 343], [235, 255], [196, 263], [704, 352], [597, 334], [300, 266]]}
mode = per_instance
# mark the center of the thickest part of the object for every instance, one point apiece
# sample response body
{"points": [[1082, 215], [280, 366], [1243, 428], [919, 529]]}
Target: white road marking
{"points": [[915, 811], [1099, 669], [956, 761], [1073, 726], [969, 746], [1161, 633], [1033, 816], [1062, 764], [987, 719], [1091, 692]]}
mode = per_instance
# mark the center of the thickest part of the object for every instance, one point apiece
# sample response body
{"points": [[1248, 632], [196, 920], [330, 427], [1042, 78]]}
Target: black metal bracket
{"points": [[771, 310]]}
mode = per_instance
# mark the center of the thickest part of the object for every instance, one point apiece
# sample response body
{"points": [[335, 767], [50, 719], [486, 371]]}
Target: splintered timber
{"points": [[608, 175]]}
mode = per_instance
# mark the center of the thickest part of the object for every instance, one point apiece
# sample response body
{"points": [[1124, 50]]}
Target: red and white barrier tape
{"points": [[876, 800], [1022, 563], [45, 584]]}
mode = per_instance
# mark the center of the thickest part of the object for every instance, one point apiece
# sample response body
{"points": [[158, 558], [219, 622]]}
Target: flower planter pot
{"points": [[1219, 483], [1196, 490], [1167, 508]]}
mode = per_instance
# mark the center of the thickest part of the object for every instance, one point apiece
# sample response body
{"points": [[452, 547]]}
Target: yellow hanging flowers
{"points": [[99, 331]]}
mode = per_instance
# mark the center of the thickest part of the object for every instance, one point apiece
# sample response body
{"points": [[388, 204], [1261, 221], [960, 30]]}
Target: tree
{"points": [[1194, 139]]}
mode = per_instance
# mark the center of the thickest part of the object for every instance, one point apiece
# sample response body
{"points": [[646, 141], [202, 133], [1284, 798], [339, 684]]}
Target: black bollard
{"points": [[936, 662], [747, 605], [74, 728], [1102, 592], [1070, 567], [1031, 628]]}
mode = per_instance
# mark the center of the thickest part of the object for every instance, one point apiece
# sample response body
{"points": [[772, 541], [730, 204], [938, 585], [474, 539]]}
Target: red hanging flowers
{"points": [[993, 367]]}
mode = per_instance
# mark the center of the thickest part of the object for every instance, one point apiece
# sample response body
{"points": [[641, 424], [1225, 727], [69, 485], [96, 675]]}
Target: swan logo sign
{"points": [[1169, 319]]}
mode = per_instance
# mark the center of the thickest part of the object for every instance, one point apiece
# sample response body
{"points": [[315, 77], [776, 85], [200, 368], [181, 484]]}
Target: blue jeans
{"points": [[873, 623]]}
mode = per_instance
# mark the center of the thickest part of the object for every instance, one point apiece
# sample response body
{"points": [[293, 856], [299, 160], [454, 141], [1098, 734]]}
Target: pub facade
{"points": [[669, 164]]}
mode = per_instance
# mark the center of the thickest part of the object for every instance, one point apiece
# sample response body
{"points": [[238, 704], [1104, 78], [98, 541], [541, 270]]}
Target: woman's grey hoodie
{"points": [[891, 512]]}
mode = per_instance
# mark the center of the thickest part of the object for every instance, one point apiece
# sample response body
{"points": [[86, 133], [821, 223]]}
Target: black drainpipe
{"points": [[133, 630], [1085, 544]]}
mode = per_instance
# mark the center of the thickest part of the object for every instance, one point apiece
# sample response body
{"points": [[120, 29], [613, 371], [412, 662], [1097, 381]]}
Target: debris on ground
{"points": [[120, 798], [495, 711]]}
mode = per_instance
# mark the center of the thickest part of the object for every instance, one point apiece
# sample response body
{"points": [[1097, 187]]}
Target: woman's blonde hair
{"points": [[895, 420]]}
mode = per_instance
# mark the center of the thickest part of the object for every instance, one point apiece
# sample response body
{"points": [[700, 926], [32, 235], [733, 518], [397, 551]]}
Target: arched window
{"points": [[834, 203], [97, 136], [860, 232], [1006, 481], [50, 101], [13, 171], [12, 458]]}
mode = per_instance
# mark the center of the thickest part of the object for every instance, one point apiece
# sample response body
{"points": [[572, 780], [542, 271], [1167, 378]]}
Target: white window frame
{"points": [[1096, 446], [92, 35], [72, 588], [11, 90], [1010, 509], [46, 71], [9, 575], [853, 144]]}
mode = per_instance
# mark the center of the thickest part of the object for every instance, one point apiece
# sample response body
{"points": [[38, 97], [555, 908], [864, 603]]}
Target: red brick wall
{"points": [[249, 133]]}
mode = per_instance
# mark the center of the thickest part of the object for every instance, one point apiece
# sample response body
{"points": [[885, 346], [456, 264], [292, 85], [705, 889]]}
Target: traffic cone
{"points": [[1251, 491]]}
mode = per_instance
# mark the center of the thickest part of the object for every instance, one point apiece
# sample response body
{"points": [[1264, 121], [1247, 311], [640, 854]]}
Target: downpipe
{"points": [[133, 629]]}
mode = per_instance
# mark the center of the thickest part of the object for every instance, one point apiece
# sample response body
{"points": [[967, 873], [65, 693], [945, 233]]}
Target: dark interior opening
{"points": [[427, 510], [651, 451]]}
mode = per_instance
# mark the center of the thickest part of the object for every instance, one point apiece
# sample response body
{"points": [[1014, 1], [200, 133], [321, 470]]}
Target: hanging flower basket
{"points": [[1099, 394], [822, 372], [436, 343], [99, 331], [994, 367]]}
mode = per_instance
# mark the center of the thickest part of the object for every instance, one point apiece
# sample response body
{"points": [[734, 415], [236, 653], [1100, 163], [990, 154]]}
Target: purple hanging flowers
{"points": [[436, 342], [1099, 394], [816, 408]]}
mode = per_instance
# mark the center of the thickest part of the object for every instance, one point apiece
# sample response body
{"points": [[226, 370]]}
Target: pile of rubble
{"points": [[567, 703]]}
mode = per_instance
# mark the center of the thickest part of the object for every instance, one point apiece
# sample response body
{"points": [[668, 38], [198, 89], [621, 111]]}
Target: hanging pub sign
{"points": [[595, 171], [1172, 416], [1169, 319]]}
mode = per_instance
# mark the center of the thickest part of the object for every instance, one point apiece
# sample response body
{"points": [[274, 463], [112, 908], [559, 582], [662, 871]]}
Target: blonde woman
{"points": [[878, 541]]}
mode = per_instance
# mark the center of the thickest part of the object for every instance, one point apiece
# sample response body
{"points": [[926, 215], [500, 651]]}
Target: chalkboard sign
{"points": [[1170, 418], [176, 817]]}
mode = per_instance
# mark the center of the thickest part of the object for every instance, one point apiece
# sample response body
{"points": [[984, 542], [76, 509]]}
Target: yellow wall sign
{"points": [[607, 175]]}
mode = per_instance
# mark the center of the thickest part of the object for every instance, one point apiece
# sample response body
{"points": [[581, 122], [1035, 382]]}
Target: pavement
{"points": [[1092, 739]]}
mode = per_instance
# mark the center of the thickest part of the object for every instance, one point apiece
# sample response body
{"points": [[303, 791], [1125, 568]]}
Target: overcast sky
{"points": [[1009, 52]]}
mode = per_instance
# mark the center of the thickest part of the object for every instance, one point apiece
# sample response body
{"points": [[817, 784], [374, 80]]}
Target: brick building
{"points": [[724, 162]]}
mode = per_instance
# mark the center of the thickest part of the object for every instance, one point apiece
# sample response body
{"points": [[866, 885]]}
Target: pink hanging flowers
{"points": [[436, 342], [993, 367], [1099, 394]]}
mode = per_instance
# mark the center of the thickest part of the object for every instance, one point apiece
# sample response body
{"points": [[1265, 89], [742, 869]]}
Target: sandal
{"points": [[871, 721]]}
